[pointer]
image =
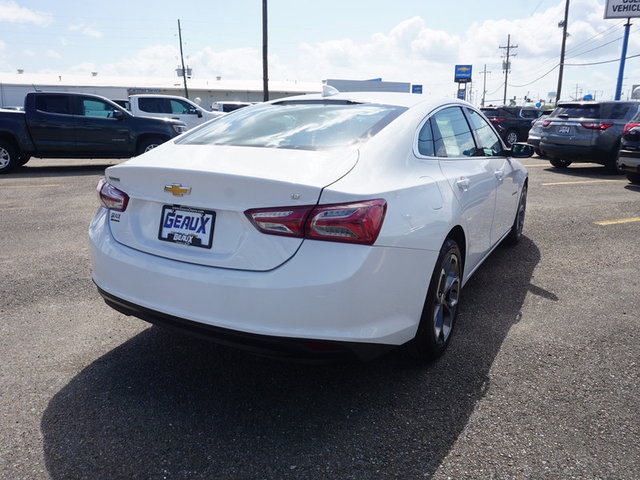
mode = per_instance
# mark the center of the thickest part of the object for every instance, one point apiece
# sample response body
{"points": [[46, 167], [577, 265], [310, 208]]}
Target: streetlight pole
{"points": [[562, 49], [265, 66]]}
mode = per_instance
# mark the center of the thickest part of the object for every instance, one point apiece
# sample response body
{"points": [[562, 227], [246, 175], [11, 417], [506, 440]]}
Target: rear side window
{"points": [[154, 105], [53, 104], [451, 134], [307, 125]]}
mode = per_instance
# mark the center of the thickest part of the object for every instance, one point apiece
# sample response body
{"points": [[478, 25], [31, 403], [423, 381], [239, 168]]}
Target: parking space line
{"points": [[46, 185], [582, 182], [616, 222]]}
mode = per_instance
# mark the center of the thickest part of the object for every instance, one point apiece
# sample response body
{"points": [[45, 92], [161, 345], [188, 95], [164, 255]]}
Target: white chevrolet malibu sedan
{"points": [[311, 226]]}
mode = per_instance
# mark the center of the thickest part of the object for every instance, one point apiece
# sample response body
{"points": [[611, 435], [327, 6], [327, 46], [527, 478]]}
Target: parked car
{"points": [[586, 131], [314, 225], [77, 125], [171, 106], [536, 131], [629, 155], [512, 123], [227, 107]]}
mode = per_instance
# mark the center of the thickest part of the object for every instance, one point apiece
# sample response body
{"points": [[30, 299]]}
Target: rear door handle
{"points": [[463, 183]]}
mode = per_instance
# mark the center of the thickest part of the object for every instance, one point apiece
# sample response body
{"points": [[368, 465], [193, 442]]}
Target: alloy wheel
{"points": [[444, 311]]}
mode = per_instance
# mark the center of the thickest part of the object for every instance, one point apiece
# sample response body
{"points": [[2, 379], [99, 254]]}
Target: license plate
{"points": [[564, 129], [187, 226]]}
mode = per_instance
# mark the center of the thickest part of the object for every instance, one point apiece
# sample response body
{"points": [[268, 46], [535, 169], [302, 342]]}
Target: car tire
{"points": [[148, 144], [23, 160], [515, 234], [440, 307], [560, 163], [633, 177], [612, 165], [511, 137], [8, 156]]}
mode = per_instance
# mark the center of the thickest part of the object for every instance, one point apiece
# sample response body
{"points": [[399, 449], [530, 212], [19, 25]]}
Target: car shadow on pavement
{"points": [[57, 170], [591, 171], [168, 406]]}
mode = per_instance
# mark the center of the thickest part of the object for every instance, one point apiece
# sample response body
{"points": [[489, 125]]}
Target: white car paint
{"points": [[273, 286], [176, 107]]}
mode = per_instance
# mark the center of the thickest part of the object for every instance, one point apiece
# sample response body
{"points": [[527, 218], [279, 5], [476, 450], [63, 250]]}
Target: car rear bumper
{"points": [[629, 160], [336, 293], [575, 152]]}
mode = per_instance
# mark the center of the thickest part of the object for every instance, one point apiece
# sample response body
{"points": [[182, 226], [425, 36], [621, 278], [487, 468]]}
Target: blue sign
{"points": [[462, 93], [588, 97], [462, 73], [416, 88]]}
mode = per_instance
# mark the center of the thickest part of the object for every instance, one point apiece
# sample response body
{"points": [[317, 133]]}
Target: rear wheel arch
{"points": [[10, 151], [145, 142], [457, 234]]}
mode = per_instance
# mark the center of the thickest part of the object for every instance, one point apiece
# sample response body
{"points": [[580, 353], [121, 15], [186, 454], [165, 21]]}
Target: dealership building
{"points": [[14, 87]]}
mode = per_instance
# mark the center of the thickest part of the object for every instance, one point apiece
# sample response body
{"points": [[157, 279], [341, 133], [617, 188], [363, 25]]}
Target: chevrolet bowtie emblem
{"points": [[177, 189]]}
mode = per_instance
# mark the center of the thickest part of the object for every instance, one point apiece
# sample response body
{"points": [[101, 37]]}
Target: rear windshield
{"points": [[611, 111], [308, 125]]}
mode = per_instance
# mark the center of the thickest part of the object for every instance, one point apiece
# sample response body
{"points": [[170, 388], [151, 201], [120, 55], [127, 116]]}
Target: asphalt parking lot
{"points": [[540, 381]]}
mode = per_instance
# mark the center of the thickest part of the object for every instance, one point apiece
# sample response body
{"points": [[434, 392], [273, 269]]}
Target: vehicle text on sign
{"points": [[622, 9]]}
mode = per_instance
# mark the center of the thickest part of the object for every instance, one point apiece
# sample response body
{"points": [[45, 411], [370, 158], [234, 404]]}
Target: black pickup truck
{"points": [[75, 125]]}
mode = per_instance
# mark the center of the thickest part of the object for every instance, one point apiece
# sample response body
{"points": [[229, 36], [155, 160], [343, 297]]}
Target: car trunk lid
{"points": [[212, 186]]}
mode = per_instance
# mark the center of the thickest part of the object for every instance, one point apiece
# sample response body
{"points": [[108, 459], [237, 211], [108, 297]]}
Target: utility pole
{"points": [[484, 84], [506, 66], [265, 67], [184, 71], [562, 24]]}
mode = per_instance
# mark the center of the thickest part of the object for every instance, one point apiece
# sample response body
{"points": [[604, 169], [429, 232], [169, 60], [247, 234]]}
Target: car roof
{"points": [[386, 98]]}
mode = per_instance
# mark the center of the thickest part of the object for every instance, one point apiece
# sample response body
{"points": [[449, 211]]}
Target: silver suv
{"points": [[586, 131]]}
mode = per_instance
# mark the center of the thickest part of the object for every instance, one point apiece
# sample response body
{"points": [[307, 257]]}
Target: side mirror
{"points": [[520, 150], [199, 113], [118, 114]]}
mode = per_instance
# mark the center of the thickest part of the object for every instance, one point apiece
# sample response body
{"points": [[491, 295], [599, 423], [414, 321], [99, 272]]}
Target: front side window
{"points": [[96, 108], [489, 144], [181, 108], [308, 125], [451, 134]]}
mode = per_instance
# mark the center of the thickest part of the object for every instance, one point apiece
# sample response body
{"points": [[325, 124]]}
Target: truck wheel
{"points": [[148, 144], [560, 163], [8, 157]]}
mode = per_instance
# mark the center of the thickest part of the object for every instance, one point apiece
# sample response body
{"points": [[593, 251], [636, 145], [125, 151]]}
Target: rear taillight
{"points": [[596, 125], [546, 123], [497, 120], [358, 222], [111, 197], [287, 221], [629, 126]]}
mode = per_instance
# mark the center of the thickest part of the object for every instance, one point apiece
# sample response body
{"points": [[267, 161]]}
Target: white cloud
{"points": [[53, 54], [11, 12], [85, 30]]}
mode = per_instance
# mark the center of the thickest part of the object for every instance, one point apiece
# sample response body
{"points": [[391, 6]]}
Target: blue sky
{"points": [[405, 40]]}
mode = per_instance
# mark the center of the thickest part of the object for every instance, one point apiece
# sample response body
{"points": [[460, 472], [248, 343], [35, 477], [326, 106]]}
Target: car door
{"points": [[52, 125], [470, 177], [185, 112], [98, 133], [505, 175]]}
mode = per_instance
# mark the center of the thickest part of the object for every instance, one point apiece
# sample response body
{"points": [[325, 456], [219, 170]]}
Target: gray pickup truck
{"points": [[75, 125]]}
